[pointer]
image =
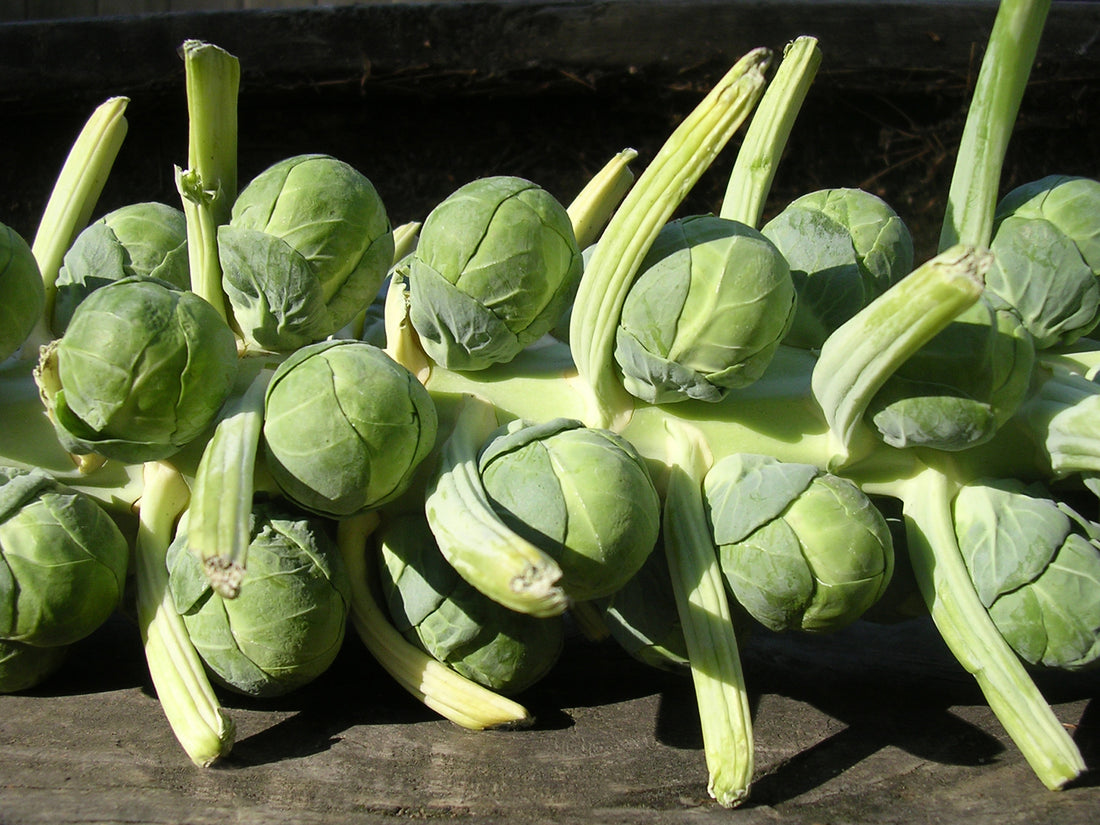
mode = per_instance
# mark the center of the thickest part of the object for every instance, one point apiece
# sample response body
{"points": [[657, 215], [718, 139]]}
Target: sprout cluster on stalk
{"points": [[141, 240], [307, 246], [495, 266], [22, 294], [794, 425], [63, 565], [286, 625]]}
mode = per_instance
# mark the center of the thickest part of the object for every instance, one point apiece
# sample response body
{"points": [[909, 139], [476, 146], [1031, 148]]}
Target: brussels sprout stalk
{"points": [[221, 500], [73, 199], [864, 352], [657, 193], [724, 712], [461, 700], [990, 119], [204, 730], [969, 632], [402, 342], [473, 538], [768, 131], [208, 186], [405, 237], [596, 202]]}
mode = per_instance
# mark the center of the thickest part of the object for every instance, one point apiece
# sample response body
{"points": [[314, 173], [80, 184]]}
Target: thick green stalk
{"points": [[724, 712], [402, 340], [472, 537], [659, 190], [596, 202], [464, 702], [405, 237], [969, 632], [768, 132], [991, 117], [208, 186], [183, 688], [72, 200], [859, 356], [218, 530]]}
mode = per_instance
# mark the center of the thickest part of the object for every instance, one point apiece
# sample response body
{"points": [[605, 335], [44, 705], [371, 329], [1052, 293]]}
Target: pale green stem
{"points": [[405, 238], [724, 712], [768, 131], [463, 701], [990, 120], [218, 526], [204, 730], [473, 538], [969, 632], [659, 190], [596, 202], [402, 340], [72, 201], [858, 357], [208, 186]]}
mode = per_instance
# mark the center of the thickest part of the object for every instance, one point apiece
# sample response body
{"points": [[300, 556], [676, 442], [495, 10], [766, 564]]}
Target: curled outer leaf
{"points": [[473, 538]]}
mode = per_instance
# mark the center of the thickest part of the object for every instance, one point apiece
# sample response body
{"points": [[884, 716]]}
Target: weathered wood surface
{"points": [[875, 724]]}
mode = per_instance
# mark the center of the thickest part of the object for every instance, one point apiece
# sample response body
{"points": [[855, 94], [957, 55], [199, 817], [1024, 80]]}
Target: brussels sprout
{"points": [[142, 369], [306, 249], [583, 495], [22, 294], [706, 313], [642, 617], [25, 666], [144, 240], [345, 427], [1046, 264], [901, 601], [438, 610], [63, 561], [1035, 564], [958, 389], [800, 549], [495, 267], [844, 247], [286, 625]]}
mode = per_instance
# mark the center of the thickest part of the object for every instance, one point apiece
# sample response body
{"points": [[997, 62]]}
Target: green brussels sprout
{"points": [[435, 608], [306, 249], [706, 313], [901, 601], [800, 549], [25, 666], [345, 427], [142, 369], [643, 618], [959, 388], [495, 267], [63, 561], [141, 240], [583, 495], [22, 294], [845, 247], [1046, 257], [1035, 564], [287, 623]]}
